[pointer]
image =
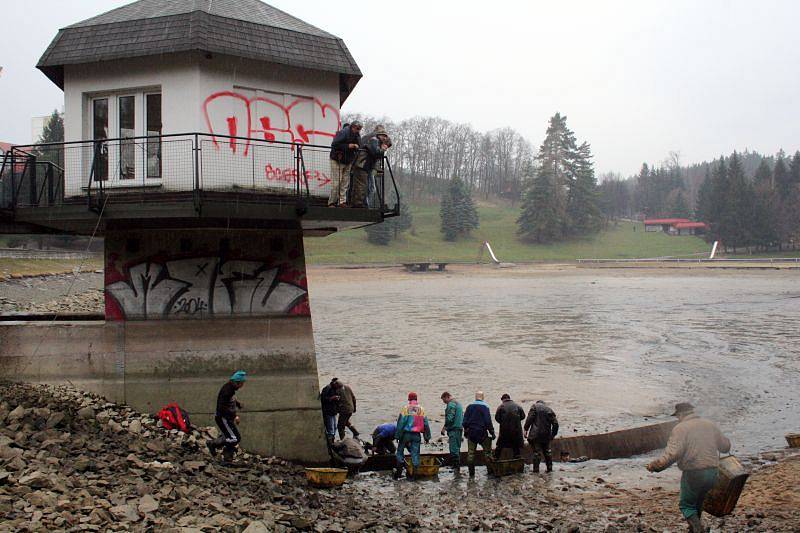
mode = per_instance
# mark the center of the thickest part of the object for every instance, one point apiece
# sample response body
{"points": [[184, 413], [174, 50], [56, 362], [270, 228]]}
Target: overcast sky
{"points": [[635, 78]]}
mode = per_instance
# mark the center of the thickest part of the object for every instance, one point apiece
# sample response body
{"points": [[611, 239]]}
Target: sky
{"points": [[636, 79]]}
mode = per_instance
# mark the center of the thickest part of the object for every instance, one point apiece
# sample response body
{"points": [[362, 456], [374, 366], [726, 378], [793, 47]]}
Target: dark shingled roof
{"points": [[240, 28]]}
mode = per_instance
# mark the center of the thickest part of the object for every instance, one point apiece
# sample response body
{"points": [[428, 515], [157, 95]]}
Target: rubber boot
{"points": [[212, 447], [398, 472], [457, 467], [329, 439], [355, 432], [549, 463], [227, 457], [536, 463], [695, 524], [471, 469]]}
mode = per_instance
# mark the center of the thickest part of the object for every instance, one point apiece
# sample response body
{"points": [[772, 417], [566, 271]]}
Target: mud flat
{"points": [[70, 461]]}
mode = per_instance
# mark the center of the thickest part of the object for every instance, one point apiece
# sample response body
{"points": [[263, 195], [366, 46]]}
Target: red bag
{"points": [[173, 417]]}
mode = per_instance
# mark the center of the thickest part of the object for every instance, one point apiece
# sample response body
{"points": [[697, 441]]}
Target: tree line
{"points": [[749, 200], [428, 152]]}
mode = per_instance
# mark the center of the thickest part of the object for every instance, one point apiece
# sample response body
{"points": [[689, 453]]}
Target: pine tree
{"points": [[739, 217], [781, 176], [583, 210], [679, 204], [457, 211], [540, 220], [763, 175], [794, 170], [704, 209], [53, 132]]}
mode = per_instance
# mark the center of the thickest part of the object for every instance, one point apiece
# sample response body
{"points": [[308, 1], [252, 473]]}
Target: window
{"points": [[100, 134], [153, 128], [127, 130]]}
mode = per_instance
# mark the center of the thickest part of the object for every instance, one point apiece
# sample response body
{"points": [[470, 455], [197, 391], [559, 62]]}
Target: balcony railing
{"points": [[48, 175]]}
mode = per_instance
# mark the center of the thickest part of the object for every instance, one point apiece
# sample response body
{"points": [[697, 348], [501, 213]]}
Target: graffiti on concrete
{"points": [[203, 287]]}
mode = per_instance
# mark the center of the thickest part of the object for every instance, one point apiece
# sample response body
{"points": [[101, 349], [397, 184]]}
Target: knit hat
{"points": [[412, 396], [505, 397], [239, 376]]}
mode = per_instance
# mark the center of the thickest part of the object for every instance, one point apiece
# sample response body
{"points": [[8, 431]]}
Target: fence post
{"points": [[196, 170]]}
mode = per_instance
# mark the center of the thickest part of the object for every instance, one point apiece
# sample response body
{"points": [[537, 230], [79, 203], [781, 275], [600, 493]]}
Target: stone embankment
{"points": [[72, 461]]}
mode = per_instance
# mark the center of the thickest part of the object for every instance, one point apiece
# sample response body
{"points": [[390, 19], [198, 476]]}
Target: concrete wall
{"points": [[185, 309], [216, 95]]}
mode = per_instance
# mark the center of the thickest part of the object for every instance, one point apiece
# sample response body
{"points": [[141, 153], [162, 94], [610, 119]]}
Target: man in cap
{"points": [[695, 444], [226, 417], [478, 429], [509, 416], [542, 427], [412, 426], [343, 152], [454, 428], [371, 153]]}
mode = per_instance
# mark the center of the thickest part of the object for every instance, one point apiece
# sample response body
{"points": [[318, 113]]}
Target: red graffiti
{"points": [[260, 116], [289, 175]]}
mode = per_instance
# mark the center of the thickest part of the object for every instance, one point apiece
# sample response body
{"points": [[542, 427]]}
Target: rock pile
{"points": [[71, 461]]}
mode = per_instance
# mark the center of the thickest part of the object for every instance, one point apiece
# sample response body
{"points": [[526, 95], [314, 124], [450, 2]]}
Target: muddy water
{"points": [[607, 349]]}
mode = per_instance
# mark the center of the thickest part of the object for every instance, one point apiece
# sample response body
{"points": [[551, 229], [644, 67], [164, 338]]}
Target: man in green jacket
{"points": [[454, 428]]}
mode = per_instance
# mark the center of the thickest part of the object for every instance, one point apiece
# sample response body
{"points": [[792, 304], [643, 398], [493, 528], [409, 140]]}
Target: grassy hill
{"points": [[498, 226]]}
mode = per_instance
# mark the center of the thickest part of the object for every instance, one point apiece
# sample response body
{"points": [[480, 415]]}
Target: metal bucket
{"points": [[793, 439], [428, 466], [326, 477], [505, 467], [721, 500]]}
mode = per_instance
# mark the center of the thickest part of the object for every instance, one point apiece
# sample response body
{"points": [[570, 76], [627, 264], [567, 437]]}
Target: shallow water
{"points": [[607, 349]]}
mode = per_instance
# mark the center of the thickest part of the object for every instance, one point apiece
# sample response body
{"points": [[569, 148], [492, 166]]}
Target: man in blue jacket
{"points": [[478, 429], [343, 152]]}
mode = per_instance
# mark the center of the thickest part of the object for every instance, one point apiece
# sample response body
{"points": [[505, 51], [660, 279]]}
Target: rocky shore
{"points": [[72, 461]]}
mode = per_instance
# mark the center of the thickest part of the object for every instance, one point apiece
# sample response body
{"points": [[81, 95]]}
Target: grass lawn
{"points": [[498, 226], [32, 267]]}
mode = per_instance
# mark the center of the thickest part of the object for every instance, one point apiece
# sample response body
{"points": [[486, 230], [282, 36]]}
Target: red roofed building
{"points": [[675, 226]]}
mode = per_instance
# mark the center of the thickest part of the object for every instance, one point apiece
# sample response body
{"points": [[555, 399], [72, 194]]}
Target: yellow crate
{"points": [[326, 477], [428, 466], [793, 439], [505, 467]]}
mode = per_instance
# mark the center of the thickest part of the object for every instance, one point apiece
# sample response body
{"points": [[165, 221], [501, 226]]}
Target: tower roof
{"points": [[240, 28]]}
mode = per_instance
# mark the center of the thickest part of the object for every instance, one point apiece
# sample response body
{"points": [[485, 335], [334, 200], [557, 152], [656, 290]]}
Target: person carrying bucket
{"points": [[695, 444], [412, 427]]}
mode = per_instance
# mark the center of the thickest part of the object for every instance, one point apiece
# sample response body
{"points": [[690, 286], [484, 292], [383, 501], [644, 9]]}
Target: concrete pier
{"points": [[184, 309]]}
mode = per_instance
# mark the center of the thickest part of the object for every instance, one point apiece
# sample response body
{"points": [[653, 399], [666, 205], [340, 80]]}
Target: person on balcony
{"points": [[412, 427], [373, 148], [478, 429], [509, 416], [344, 148]]}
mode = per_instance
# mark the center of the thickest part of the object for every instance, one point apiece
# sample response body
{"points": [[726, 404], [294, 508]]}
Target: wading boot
{"points": [[471, 469], [536, 466], [227, 457], [695, 524], [398, 472], [549, 464], [457, 467], [212, 447]]}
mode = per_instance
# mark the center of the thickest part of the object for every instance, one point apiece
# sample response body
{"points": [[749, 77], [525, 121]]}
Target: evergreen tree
{"points": [[763, 174], [457, 211], [781, 176], [540, 221], [679, 204], [583, 209], [390, 228], [704, 209], [740, 209], [53, 132], [794, 170]]}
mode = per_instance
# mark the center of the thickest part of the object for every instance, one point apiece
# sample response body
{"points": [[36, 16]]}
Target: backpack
{"points": [[173, 417]]}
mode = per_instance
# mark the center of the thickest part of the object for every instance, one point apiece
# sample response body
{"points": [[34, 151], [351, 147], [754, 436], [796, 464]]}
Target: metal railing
{"points": [[45, 175]]}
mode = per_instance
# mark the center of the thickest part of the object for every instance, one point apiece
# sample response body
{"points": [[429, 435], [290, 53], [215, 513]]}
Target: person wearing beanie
{"points": [[226, 417], [412, 426]]}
